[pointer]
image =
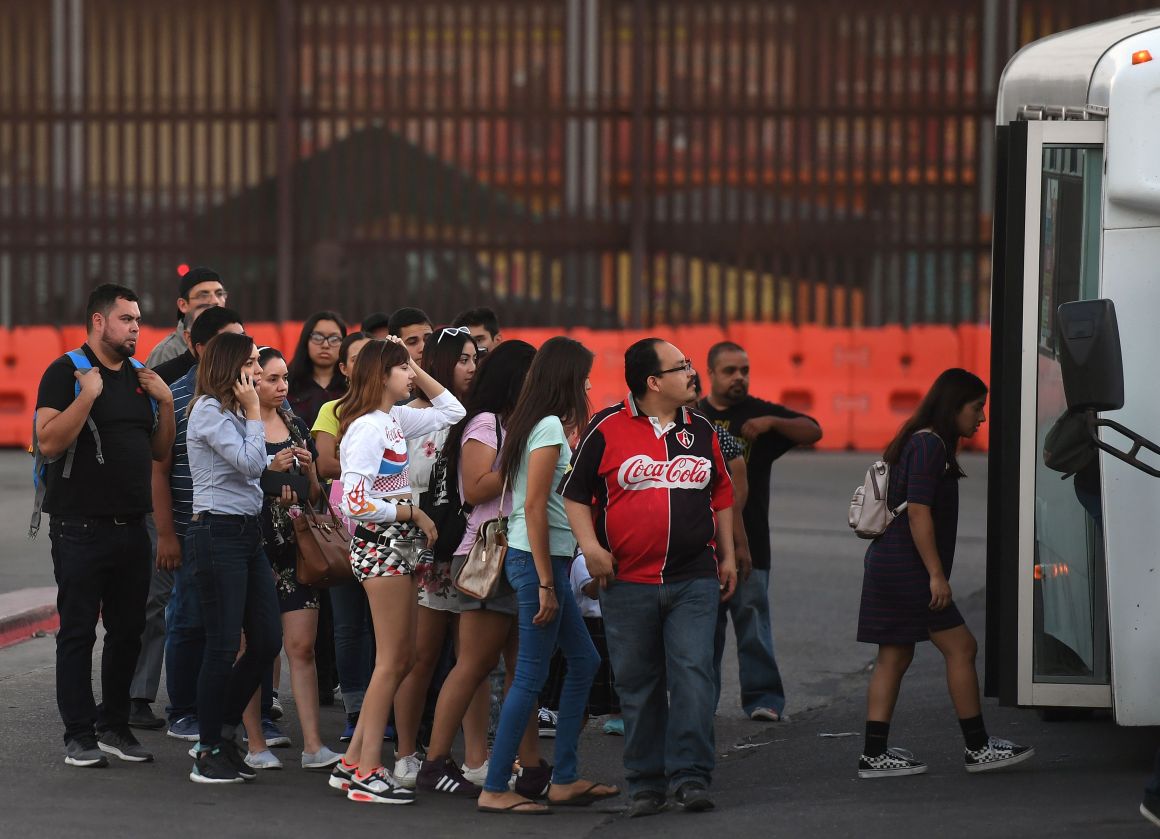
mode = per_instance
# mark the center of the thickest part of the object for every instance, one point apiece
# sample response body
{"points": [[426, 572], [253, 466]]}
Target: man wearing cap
{"points": [[199, 287]]}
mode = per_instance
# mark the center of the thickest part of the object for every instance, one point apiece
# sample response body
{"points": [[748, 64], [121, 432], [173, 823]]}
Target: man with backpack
{"points": [[101, 419]]}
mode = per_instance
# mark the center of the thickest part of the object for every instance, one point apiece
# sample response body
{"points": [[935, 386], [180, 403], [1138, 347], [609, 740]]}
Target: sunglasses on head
{"points": [[453, 330]]}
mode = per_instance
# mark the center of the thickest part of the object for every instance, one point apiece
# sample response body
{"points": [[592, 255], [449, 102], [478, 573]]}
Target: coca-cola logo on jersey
{"points": [[684, 472]]}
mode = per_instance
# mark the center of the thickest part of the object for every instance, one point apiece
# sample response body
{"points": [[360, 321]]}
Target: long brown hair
{"points": [[939, 411], [554, 387], [219, 367], [365, 393]]}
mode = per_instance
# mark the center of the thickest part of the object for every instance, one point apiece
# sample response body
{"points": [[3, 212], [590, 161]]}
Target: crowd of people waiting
{"points": [[173, 489]]}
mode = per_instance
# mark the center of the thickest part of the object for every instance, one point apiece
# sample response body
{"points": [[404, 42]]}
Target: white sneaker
{"points": [[407, 770], [323, 759], [477, 776], [263, 760]]}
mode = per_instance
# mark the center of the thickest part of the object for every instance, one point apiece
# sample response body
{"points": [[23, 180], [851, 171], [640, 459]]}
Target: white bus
{"points": [[1073, 564]]}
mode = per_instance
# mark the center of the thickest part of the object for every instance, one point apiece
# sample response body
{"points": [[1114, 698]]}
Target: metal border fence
{"points": [[604, 163]]}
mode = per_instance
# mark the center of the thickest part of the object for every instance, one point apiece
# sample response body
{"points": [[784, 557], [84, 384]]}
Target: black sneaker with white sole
{"points": [[441, 774], [378, 788], [122, 744], [997, 754], [891, 763], [547, 720], [212, 766], [84, 751], [233, 753]]}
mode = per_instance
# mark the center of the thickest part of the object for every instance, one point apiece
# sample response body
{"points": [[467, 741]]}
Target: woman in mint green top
{"points": [[535, 456], [547, 433]]}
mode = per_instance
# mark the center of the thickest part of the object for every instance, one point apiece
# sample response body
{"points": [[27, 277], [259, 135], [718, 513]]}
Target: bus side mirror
{"points": [[1093, 368]]}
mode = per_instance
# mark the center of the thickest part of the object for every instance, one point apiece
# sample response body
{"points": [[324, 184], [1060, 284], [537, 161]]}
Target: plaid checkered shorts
{"points": [[388, 550]]}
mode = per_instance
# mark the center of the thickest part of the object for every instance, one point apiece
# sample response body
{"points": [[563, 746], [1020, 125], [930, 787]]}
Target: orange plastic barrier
{"points": [[975, 355], [266, 334], [607, 375], [149, 338], [25, 353], [821, 386], [290, 331], [882, 392], [694, 342]]}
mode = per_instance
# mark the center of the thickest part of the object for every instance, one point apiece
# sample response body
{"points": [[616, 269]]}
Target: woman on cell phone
{"points": [[289, 450], [226, 441], [390, 543]]}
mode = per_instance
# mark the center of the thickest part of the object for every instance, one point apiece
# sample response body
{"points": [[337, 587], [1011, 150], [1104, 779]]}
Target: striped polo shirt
{"points": [[654, 492], [180, 480]]}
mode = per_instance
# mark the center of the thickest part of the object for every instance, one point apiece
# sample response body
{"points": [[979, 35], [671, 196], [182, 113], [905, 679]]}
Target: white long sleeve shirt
{"points": [[373, 455]]}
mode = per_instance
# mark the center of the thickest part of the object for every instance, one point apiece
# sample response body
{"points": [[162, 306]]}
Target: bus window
{"points": [[1070, 620]]}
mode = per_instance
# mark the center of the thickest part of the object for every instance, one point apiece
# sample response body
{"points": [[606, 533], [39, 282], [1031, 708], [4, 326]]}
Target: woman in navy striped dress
{"points": [[906, 596]]}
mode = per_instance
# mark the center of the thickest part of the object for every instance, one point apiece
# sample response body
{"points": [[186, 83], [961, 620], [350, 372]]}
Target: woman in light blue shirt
{"points": [[226, 441], [536, 454]]}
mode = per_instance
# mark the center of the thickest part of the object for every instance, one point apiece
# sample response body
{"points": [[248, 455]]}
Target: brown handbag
{"points": [[480, 573], [323, 544]]}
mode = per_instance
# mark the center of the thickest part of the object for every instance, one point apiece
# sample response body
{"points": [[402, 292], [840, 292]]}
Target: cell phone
{"points": [[272, 482]]}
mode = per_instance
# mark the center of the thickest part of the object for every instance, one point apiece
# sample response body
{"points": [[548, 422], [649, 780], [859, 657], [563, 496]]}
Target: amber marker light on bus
{"points": [[1141, 57]]}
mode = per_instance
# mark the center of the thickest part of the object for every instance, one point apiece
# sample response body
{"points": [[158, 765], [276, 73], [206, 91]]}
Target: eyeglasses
{"points": [[453, 330], [329, 340], [685, 366], [205, 295]]}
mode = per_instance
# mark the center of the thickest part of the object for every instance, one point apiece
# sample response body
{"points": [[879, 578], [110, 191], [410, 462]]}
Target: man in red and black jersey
{"points": [[651, 505]]}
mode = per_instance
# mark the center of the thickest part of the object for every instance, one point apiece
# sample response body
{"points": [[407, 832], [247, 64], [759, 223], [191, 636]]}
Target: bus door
{"points": [[1047, 621]]}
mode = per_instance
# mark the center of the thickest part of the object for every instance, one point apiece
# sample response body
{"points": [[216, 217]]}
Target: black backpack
{"points": [[1068, 447], [442, 503]]}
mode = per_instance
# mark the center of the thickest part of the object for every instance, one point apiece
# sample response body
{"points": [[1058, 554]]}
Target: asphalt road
{"points": [[790, 779]]}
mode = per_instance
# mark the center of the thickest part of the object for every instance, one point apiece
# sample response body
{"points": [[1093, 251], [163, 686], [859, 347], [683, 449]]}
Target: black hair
{"points": [[210, 322], [407, 316], [554, 387], [441, 353], [266, 353], [939, 411], [640, 362], [481, 316], [301, 367], [347, 342], [103, 298], [721, 347], [496, 388]]}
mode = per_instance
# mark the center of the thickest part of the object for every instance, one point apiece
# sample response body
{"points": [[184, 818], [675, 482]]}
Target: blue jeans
{"points": [[184, 640], [757, 668], [236, 590], [659, 643], [354, 643], [537, 643]]}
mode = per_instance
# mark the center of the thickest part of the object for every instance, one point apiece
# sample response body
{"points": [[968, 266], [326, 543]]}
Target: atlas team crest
{"points": [[685, 438]]}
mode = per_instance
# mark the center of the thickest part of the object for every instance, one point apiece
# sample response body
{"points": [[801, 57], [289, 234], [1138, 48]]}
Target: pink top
{"points": [[482, 428]]}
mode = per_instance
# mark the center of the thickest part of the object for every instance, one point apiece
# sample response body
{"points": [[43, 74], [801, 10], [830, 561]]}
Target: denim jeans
{"points": [[537, 643], [184, 640], [102, 570], [236, 589], [354, 643], [661, 650], [757, 668]]}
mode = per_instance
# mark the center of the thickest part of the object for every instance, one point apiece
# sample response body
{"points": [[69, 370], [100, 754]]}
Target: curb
{"points": [[26, 613]]}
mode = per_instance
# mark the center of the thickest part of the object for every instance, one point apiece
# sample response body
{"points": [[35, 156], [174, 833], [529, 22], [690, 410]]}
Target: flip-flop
{"points": [[514, 810], [585, 798]]}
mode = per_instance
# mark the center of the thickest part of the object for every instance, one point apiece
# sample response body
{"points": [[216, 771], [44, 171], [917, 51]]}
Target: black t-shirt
{"points": [[172, 370], [759, 458], [308, 397], [123, 415]]}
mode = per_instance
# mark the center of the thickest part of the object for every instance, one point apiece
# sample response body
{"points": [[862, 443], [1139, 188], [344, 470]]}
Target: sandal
{"points": [[588, 796], [514, 809]]}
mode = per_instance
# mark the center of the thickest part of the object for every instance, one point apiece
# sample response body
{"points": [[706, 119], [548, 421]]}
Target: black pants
{"points": [[102, 569]]}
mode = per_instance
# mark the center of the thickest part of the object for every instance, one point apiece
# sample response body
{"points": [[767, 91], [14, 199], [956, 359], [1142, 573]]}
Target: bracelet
{"points": [[549, 588]]}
